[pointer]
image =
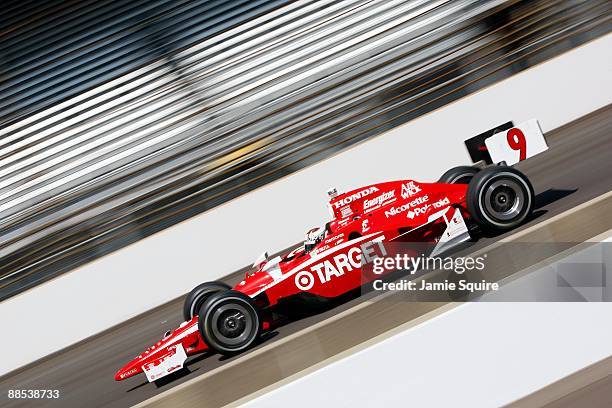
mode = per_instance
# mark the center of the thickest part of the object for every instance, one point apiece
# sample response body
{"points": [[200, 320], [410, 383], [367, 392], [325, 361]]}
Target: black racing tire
{"points": [[500, 198], [196, 298], [459, 175], [229, 322]]}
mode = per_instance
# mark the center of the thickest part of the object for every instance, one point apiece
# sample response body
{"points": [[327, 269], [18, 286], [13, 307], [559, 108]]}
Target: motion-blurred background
{"points": [[120, 118], [142, 146]]}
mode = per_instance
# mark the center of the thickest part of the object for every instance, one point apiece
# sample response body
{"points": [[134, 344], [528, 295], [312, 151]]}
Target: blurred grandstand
{"points": [[120, 118]]}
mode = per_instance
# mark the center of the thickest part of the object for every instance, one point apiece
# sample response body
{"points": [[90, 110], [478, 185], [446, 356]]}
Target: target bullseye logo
{"points": [[304, 280]]}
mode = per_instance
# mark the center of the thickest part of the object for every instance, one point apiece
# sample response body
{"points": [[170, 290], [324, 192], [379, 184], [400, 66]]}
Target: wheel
{"points": [[459, 174], [229, 322], [500, 198], [198, 295]]}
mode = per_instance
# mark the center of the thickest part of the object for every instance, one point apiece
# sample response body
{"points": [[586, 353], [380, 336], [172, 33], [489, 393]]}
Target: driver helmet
{"points": [[313, 237]]}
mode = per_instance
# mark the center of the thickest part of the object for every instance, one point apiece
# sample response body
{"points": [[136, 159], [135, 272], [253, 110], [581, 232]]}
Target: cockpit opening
{"points": [[313, 237]]}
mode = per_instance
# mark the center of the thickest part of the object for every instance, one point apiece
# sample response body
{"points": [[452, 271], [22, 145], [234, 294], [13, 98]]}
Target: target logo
{"points": [[304, 280], [336, 266]]}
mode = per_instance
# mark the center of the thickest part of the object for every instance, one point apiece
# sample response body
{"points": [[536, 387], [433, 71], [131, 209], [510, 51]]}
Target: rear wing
{"points": [[507, 143]]}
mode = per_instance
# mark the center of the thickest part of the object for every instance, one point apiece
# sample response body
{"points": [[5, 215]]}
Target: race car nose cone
{"points": [[127, 371]]}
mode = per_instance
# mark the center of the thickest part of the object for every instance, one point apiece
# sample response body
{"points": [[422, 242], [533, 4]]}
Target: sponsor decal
{"points": [[365, 226], [320, 249], [165, 364], [339, 238], [345, 212], [340, 264], [418, 211], [393, 211], [456, 226], [378, 201], [409, 189], [128, 373], [443, 202], [422, 210], [304, 280], [356, 196]]}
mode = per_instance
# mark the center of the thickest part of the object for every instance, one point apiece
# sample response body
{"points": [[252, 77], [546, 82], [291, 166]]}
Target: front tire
{"points": [[196, 298], [229, 322], [500, 198]]}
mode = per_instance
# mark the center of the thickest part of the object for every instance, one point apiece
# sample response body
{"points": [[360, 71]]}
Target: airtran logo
{"points": [[356, 196], [338, 265], [386, 196], [400, 209]]}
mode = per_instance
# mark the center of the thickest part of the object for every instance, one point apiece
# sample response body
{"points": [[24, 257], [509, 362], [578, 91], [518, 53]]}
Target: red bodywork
{"points": [[393, 211]]}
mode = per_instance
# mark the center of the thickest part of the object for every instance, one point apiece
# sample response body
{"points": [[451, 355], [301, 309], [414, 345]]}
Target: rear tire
{"points": [[196, 298], [500, 198], [229, 322], [459, 175]]}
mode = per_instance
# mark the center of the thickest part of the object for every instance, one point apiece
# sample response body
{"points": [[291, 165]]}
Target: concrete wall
{"points": [[474, 355], [159, 268]]}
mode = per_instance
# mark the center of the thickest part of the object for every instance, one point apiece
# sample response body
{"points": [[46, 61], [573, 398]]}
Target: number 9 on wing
{"points": [[517, 143]]}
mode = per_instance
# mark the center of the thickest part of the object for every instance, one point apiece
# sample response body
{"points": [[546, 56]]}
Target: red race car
{"points": [[331, 259]]}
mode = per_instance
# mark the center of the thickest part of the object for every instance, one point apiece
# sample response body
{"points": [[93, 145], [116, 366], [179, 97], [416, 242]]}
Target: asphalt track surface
{"points": [[575, 169]]}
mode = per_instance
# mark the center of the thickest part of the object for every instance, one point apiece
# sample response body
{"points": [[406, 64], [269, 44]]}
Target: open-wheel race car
{"points": [[465, 200]]}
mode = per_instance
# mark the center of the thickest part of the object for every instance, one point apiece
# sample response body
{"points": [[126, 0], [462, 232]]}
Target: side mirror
{"points": [[261, 258]]}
